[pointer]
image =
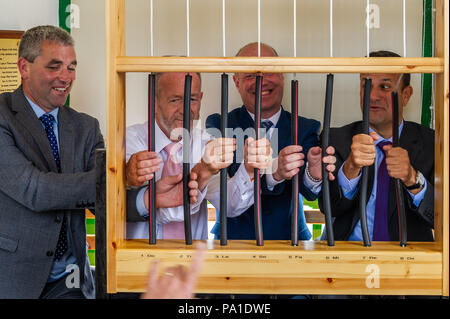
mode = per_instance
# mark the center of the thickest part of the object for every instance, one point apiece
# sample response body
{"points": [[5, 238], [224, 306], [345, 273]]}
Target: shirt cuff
{"points": [[349, 187], [140, 203], [200, 197], [417, 199], [314, 186], [271, 182]]}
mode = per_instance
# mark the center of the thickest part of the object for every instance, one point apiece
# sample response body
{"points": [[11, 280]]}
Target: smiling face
{"points": [[380, 110], [170, 101], [272, 87], [47, 80]]}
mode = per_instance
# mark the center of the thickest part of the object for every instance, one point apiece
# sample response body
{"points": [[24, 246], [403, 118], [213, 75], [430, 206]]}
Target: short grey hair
{"points": [[31, 43]]}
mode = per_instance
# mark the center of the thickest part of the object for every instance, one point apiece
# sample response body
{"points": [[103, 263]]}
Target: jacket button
{"points": [[50, 253]]}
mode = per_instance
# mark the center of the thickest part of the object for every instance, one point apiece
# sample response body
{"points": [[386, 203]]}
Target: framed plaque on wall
{"points": [[9, 73]]}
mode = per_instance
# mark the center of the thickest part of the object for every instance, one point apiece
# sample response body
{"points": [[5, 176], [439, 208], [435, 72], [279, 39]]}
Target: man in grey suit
{"points": [[46, 175]]}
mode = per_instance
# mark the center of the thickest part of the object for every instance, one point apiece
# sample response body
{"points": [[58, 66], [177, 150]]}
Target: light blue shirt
{"points": [[350, 188], [60, 267]]}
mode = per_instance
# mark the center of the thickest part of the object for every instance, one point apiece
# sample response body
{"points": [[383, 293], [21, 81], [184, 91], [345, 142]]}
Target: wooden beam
{"points": [[441, 191], [279, 65], [280, 268]]}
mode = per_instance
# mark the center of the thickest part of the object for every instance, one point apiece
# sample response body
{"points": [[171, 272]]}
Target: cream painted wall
{"points": [[88, 94]]}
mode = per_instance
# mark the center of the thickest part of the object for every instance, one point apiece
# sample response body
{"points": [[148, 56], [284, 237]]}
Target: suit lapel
{"points": [[32, 127], [284, 131], [245, 120], [66, 140]]}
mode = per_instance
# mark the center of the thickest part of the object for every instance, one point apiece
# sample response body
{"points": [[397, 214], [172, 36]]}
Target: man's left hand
{"points": [[398, 165], [314, 158]]}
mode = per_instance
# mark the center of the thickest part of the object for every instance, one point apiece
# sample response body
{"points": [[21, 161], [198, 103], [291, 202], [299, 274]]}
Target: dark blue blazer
{"points": [[276, 204]]}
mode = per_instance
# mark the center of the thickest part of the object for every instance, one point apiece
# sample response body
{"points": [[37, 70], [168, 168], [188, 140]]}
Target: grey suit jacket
{"points": [[34, 197]]}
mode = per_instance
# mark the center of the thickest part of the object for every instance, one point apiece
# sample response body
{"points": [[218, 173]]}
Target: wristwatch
{"points": [[420, 181]]}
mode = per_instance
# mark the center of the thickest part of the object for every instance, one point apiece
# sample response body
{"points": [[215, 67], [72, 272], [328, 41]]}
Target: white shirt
{"points": [[239, 188]]}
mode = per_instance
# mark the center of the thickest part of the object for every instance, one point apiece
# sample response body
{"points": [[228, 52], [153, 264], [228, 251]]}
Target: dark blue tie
{"points": [[48, 120], [267, 125], [380, 224]]}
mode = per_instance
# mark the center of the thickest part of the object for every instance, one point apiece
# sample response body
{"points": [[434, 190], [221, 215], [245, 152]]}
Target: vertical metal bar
{"points": [[257, 177], [398, 185], [325, 144], [365, 169], [186, 158], [151, 147], [223, 172], [294, 134], [100, 225]]}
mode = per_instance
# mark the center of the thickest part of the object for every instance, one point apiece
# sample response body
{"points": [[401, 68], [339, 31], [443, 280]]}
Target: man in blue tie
{"points": [[412, 162], [47, 174], [288, 159]]}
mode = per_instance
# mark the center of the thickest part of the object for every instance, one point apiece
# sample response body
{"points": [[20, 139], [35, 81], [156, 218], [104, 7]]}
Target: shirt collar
{"points": [[39, 111], [381, 139], [274, 118], [161, 140]]}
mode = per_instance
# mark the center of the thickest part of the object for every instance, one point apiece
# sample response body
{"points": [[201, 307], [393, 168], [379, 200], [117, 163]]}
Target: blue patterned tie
{"points": [[48, 120], [380, 224]]}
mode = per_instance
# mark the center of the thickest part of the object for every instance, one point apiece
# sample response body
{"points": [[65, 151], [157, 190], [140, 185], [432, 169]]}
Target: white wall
{"points": [[24, 14], [88, 94], [276, 29]]}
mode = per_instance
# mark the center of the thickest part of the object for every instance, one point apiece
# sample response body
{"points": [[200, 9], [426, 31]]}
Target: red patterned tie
{"points": [[172, 167]]}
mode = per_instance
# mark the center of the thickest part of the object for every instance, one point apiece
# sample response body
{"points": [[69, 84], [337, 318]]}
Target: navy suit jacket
{"points": [[276, 204]]}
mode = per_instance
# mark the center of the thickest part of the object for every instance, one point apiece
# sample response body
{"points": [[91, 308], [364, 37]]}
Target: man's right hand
{"points": [[141, 166], [362, 154]]}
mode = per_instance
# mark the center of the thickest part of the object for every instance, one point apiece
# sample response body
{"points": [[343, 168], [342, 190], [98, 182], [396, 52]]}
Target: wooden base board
{"points": [[313, 267]]}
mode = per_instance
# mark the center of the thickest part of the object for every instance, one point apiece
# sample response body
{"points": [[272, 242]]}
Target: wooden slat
{"points": [[90, 239], [211, 214], [314, 216], [89, 215], [115, 155], [279, 268], [441, 194], [279, 64]]}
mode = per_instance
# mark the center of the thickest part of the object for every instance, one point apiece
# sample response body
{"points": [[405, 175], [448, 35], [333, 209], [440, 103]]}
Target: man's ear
{"points": [[406, 95], [236, 81], [23, 65]]}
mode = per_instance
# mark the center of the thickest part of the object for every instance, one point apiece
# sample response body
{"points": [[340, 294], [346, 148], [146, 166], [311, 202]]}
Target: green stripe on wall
{"points": [[427, 51], [63, 15], [63, 18]]}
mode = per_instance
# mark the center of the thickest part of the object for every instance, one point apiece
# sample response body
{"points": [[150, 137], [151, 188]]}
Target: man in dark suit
{"points": [[412, 162], [276, 185], [46, 175]]}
